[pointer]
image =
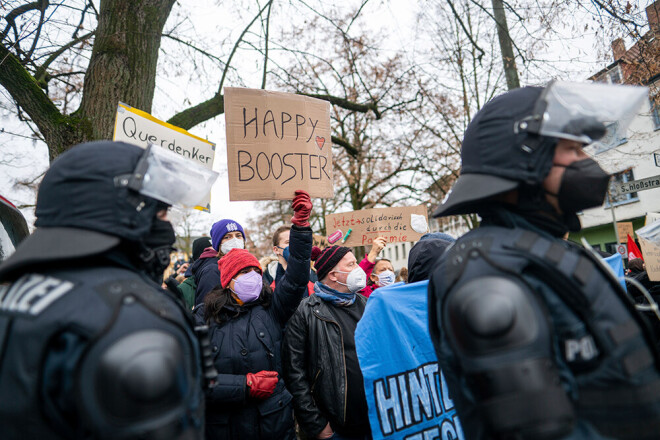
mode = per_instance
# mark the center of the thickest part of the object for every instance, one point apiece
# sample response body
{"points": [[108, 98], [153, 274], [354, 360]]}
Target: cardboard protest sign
{"points": [[651, 253], [277, 143], [405, 223], [651, 217], [139, 128], [624, 229]]}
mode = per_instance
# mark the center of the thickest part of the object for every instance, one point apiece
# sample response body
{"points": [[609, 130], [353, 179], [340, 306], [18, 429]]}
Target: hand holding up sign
{"points": [[302, 207], [378, 245]]}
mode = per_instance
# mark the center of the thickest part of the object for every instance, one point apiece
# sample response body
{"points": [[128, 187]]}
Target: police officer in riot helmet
{"points": [[90, 345], [535, 338]]}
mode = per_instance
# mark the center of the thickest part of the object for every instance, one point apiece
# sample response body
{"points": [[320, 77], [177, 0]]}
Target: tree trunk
{"points": [[123, 62], [506, 46]]}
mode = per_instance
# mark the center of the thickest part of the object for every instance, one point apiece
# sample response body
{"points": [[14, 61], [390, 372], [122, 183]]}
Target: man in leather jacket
{"points": [[90, 345], [320, 363], [534, 336]]}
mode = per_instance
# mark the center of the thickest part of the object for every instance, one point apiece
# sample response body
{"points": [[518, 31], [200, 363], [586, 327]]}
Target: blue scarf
{"points": [[332, 296]]}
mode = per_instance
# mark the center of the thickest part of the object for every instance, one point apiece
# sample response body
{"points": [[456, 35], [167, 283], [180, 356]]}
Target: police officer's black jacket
{"points": [[54, 335], [584, 365], [249, 343], [319, 388]]}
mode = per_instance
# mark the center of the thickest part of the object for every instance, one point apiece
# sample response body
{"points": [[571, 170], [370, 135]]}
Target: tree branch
{"points": [[263, 80], [29, 96], [346, 104], [467, 33], [17, 12], [40, 74], [350, 149]]}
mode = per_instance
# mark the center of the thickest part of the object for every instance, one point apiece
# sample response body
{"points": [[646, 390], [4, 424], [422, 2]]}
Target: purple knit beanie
{"points": [[221, 228]]}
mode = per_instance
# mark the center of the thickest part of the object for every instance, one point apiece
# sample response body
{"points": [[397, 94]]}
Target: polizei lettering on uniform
{"points": [[412, 397], [32, 294]]}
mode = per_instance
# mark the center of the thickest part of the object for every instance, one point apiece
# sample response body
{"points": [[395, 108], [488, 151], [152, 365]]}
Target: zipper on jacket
{"points": [[318, 373], [343, 356]]}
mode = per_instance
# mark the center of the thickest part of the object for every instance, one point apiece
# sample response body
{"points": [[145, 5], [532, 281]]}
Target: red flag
{"points": [[633, 250]]}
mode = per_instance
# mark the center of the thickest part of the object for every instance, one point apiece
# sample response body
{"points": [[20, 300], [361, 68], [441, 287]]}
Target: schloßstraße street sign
{"points": [[637, 185]]}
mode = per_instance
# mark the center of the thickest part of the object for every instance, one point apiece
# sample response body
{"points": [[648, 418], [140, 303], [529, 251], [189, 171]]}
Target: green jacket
{"points": [[187, 289]]}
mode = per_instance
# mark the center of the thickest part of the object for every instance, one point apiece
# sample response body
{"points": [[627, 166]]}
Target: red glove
{"points": [[302, 207], [262, 384]]}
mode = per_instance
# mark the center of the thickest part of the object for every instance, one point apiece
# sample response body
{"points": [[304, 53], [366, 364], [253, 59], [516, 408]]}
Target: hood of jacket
{"points": [[422, 258]]}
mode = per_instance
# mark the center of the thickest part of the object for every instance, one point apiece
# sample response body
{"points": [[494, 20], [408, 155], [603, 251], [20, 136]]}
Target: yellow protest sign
{"points": [[139, 128]]}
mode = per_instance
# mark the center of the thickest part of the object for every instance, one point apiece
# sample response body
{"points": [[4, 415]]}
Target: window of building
{"points": [[389, 251], [396, 251], [614, 75], [403, 248], [655, 111], [613, 138], [618, 199]]}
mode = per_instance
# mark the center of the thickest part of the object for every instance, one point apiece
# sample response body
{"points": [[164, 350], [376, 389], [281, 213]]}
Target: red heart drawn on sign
{"points": [[320, 142]]}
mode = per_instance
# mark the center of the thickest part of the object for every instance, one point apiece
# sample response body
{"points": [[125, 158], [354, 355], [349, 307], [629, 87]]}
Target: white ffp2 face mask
{"points": [[356, 279], [385, 278], [234, 243]]}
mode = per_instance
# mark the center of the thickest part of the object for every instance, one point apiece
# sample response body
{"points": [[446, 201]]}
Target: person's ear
{"points": [[332, 276], [374, 278], [275, 249]]}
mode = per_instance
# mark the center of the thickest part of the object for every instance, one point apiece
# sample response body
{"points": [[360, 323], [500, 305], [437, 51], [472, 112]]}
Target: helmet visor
{"points": [[170, 178], [587, 112]]}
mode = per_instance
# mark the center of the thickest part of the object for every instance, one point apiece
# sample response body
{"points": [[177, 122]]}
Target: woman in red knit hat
{"points": [[246, 321]]}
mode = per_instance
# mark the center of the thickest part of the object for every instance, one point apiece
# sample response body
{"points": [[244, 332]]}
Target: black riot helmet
{"points": [[496, 157], [511, 140], [98, 194]]}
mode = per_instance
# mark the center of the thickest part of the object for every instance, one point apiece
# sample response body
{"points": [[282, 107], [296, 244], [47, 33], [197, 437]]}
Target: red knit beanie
{"points": [[235, 261]]}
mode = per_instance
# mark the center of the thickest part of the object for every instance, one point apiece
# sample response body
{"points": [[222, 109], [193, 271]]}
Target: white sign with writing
{"points": [[637, 185], [139, 128]]}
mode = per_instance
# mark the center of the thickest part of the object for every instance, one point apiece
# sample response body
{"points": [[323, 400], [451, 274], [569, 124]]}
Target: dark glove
{"points": [[302, 207], [262, 384]]}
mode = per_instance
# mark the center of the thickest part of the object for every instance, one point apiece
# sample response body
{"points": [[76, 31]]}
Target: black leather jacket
{"points": [[314, 366]]}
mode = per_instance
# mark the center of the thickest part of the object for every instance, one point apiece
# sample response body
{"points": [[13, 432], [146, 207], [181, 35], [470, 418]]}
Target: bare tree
{"points": [[110, 54]]}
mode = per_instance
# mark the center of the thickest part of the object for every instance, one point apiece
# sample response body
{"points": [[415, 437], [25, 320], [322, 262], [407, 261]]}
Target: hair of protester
{"points": [[636, 265], [403, 274], [278, 231]]}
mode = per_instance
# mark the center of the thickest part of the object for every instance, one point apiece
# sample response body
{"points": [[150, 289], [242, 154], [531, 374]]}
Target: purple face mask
{"points": [[248, 287]]}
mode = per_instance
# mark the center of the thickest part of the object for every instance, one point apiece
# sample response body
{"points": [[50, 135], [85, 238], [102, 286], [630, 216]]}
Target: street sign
{"points": [[637, 185], [623, 250]]}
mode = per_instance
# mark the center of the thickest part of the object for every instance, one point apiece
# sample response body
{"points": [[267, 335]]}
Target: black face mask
{"points": [[583, 185], [156, 249]]}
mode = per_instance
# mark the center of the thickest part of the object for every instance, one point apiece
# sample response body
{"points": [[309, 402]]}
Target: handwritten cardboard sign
{"points": [[401, 224], [625, 229], [139, 128], [277, 143], [651, 253]]}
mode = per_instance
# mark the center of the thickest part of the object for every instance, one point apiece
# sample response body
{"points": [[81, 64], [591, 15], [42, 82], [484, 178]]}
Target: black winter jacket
{"points": [[249, 343], [207, 276], [314, 367]]}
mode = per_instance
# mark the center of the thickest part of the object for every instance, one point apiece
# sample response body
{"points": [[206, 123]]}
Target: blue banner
{"points": [[616, 263], [406, 391]]}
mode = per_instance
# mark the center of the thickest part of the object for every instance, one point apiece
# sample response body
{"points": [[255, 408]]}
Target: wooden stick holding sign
{"points": [[401, 224], [277, 143]]}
